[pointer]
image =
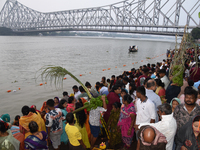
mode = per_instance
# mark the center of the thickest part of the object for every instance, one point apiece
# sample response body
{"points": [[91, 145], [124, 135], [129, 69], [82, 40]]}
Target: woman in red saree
{"points": [[112, 97]]}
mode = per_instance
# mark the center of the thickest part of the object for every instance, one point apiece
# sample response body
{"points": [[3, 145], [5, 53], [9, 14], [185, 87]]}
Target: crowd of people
{"points": [[144, 105]]}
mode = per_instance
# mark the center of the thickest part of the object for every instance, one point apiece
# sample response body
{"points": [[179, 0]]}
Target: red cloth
{"points": [[195, 74], [34, 108], [114, 82], [139, 80], [112, 98], [84, 101], [161, 92], [70, 107]]}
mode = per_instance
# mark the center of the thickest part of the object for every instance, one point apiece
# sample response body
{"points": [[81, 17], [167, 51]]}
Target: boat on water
{"points": [[133, 48]]}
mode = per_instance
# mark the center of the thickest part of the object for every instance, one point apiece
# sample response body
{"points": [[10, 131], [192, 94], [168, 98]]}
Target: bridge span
{"points": [[161, 17]]}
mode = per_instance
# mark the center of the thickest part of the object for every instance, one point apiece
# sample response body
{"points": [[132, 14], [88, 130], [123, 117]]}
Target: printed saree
{"points": [[112, 128], [33, 142]]}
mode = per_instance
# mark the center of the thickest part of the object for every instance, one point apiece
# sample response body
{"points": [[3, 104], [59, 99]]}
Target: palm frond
{"points": [[56, 74]]}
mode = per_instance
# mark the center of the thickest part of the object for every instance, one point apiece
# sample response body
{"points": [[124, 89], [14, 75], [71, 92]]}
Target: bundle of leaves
{"points": [[95, 102], [177, 66], [178, 75]]}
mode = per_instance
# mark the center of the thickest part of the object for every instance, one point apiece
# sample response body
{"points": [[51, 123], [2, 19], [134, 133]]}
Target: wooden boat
{"points": [[133, 48]]}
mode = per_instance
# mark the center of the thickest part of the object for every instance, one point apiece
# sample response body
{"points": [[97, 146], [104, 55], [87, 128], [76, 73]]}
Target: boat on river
{"points": [[133, 48]]}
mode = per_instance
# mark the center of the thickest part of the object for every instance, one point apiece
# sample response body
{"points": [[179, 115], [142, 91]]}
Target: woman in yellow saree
{"points": [[26, 119]]}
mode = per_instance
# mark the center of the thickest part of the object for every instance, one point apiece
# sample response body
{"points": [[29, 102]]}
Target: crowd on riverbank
{"points": [[144, 105]]}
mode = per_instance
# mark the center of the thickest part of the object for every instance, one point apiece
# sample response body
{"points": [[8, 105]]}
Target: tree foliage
{"points": [[6, 31], [196, 33]]}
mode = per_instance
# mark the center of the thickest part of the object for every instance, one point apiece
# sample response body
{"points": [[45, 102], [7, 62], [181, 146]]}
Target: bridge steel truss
{"points": [[129, 16]]}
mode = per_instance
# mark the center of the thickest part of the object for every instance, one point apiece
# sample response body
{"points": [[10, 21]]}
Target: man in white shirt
{"points": [[126, 83], [166, 126], [150, 88], [163, 77], [76, 91], [146, 112]]}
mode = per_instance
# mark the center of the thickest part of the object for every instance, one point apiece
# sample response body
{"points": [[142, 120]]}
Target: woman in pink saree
{"points": [[127, 120]]}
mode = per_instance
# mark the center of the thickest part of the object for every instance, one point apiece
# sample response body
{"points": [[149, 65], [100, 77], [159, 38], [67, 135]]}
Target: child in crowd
{"points": [[54, 124], [75, 140]]}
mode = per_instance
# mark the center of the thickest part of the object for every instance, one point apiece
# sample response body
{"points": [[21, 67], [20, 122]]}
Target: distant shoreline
{"points": [[8, 32]]}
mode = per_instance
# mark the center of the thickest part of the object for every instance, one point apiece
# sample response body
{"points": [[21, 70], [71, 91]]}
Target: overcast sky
{"points": [[59, 5]]}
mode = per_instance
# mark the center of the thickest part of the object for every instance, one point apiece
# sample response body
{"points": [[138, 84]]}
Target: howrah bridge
{"points": [[160, 17]]}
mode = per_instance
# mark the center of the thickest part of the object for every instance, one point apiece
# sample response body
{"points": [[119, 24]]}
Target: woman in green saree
{"points": [[112, 127], [7, 141]]}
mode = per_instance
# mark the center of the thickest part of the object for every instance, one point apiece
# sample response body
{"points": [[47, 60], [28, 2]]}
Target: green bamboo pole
{"points": [[82, 108]]}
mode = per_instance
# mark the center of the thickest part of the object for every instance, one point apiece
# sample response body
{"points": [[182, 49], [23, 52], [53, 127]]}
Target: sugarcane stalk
{"points": [[104, 125]]}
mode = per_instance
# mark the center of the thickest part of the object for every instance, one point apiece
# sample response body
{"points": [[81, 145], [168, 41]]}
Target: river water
{"points": [[21, 57]]}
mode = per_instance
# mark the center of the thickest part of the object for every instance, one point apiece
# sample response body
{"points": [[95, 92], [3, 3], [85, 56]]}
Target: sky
{"points": [[59, 5]]}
